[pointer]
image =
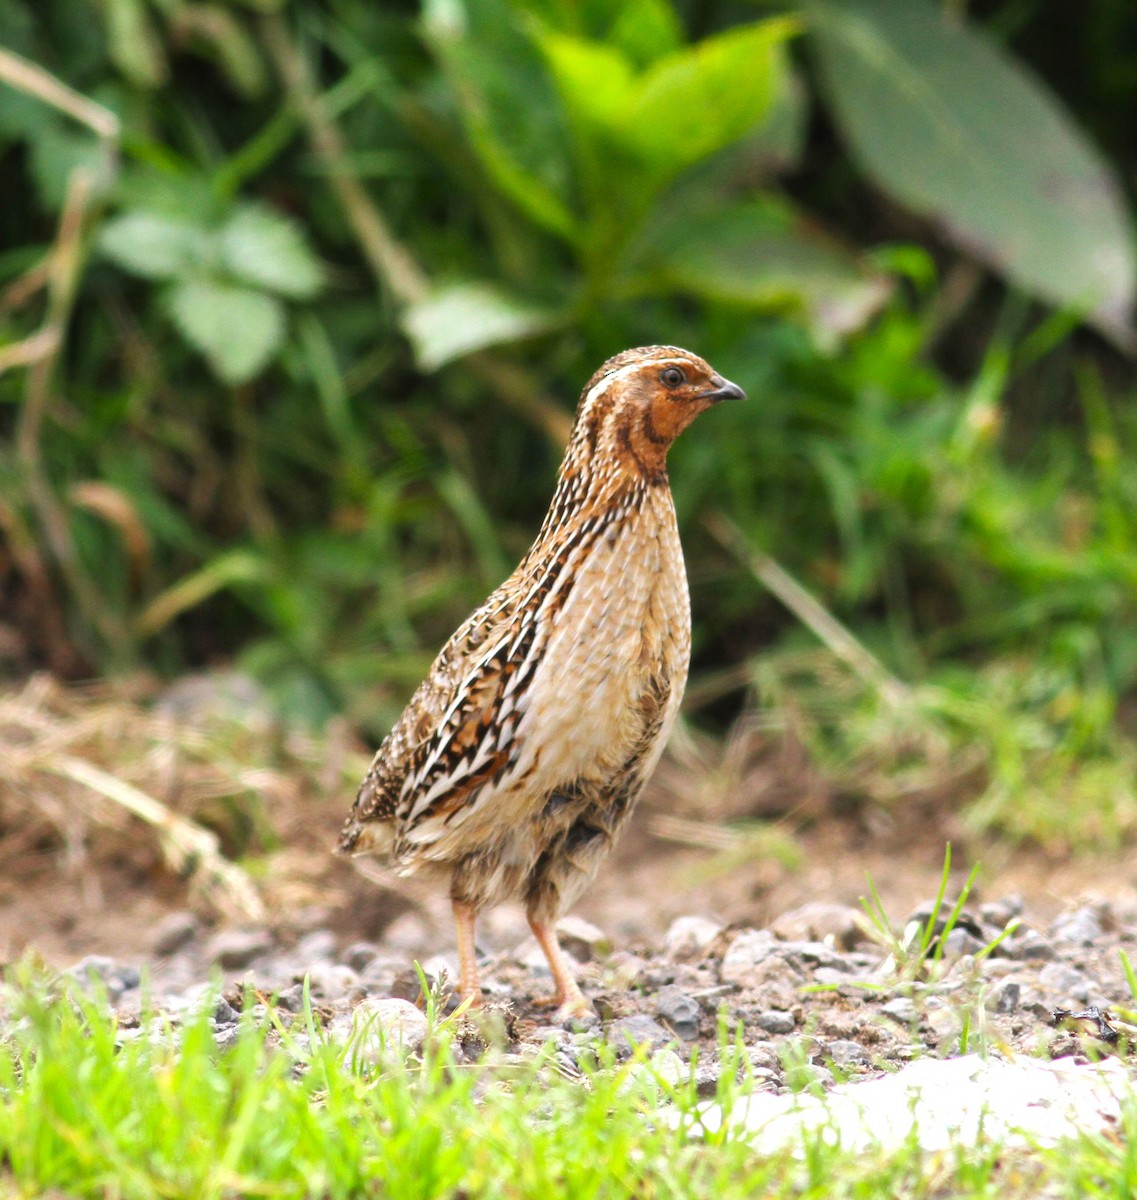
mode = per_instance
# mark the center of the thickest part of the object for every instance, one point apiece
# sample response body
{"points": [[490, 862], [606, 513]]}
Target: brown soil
{"points": [[108, 896]]}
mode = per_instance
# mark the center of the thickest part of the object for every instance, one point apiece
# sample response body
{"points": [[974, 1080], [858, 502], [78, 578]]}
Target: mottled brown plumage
{"points": [[521, 755]]}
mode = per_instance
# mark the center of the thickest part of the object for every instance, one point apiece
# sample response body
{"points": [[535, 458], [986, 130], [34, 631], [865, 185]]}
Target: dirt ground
{"points": [[109, 896]]}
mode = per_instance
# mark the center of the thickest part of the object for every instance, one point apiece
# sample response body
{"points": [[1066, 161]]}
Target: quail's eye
{"points": [[672, 377]]}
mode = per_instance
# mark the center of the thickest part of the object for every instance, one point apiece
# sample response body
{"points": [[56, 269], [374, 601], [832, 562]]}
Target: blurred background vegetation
{"points": [[296, 300]]}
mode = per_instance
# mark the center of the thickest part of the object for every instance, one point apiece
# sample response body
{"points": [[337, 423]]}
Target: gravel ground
{"points": [[817, 997]]}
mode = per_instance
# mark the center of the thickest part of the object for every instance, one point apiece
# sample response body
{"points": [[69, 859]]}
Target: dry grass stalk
{"points": [[62, 750]]}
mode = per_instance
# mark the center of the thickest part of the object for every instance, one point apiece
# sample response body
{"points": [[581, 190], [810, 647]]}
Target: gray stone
{"points": [[224, 1013], [114, 977], [1064, 983], [834, 924], [749, 948], [1000, 912], [627, 1033], [1082, 927], [902, 1009], [237, 948], [582, 1024], [360, 955], [333, 981], [765, 1056], [707, 1076], [317, 946], [1005, 998], [846, 1054], [380, 1028], [689, 937], [291, 999], [1031, 945], [959, 943], [776, 1021], [678, 1011], [225, 1037], [625, 970], [584, 941], [831, 976], [175, 931]]}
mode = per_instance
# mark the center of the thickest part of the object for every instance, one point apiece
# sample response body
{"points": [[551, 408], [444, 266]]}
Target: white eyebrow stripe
{"points": [[598, 389]]}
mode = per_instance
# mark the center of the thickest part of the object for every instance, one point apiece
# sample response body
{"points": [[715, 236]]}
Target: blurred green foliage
{"points": [[295, 299]]}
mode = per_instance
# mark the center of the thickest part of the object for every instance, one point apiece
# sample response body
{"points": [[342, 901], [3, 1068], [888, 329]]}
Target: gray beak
{"points": [[723, 389]]}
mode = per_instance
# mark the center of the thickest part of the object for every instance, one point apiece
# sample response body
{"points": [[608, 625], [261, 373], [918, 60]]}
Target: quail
{"points": [[520, 756]]}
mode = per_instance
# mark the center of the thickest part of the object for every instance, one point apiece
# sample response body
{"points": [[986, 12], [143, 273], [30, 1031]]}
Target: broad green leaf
{"points": [[266, 248], [523, 148], [595, 80], [685, 106], [465, 317], [236, 328], [949, 124], [645, 30], [761, 255], [706, 96], [153, 245]]}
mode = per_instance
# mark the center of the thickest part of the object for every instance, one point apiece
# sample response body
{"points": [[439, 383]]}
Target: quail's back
{"points": [[521, 755]]}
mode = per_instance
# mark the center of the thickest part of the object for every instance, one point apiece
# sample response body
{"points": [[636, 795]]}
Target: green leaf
{"points": [[236, 328], [684, 107], [153, 245], [595, 80], [759, 254], [523, 148], [264, 247], [465, 317], [704, 97], [954, 128], [646, 29]]}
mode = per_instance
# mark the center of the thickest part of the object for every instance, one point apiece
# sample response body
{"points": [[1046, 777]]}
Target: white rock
{"points": [[379, 1028], [583, 940], [950, 1103], [750, 948], [689, 937]]}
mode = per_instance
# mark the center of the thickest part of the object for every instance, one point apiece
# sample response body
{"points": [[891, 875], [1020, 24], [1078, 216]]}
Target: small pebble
{"points": [[174, 932], [584, 941], [846, 1054], [749, 948], [380, 1027], [237, 948], [678, 1011], [707, 1076], [765, 1055], [776, 1021], [360, 955], [960, 942], [689, 937], [1065, 983], [317, 946], [835, 924], [292, 998], [332, 981], [902, 1009], [628, 1033], [1082, 927]]}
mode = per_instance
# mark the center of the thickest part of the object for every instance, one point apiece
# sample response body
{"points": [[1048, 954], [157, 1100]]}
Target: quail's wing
{"points": [[446, 719]]}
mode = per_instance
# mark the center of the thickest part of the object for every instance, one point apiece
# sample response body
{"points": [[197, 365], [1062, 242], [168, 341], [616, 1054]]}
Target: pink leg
{"points": [[464, 918], [571, 1000]]}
